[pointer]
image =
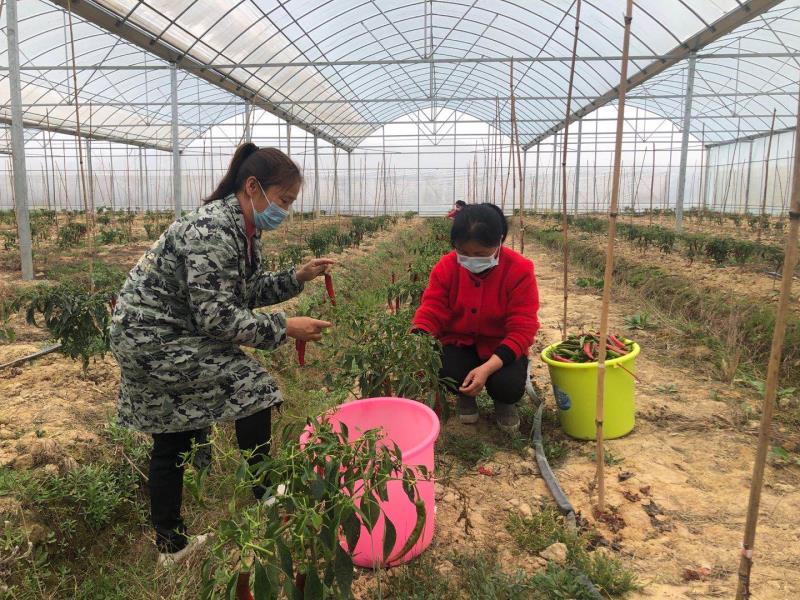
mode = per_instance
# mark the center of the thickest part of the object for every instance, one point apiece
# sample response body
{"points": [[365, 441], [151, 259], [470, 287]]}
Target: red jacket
{"points": [[487, 311]]}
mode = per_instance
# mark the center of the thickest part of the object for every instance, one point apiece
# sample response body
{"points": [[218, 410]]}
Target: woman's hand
{"points": [[305, 329], [314, 268], [475, 380]]}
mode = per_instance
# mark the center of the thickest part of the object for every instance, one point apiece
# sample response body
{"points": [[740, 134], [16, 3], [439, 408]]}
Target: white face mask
{"points": [[478, 264]]}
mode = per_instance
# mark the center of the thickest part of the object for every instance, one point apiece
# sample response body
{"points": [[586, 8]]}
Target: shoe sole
{"points": [[468, 419]]}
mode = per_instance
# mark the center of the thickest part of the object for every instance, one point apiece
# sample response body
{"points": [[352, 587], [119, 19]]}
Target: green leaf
{"points": [[389, 538], [262, 586], [313, 588], [230, 589], [370, 511], [286, 558], [352, 529], [343, 567], [317, 489]]}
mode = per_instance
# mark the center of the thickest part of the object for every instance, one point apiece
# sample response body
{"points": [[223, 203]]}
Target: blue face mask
{"points": [[478, 264], [269, 218]]}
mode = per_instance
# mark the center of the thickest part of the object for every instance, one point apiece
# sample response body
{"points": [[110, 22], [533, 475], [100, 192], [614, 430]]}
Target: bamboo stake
{"points": [[496, 145], [89, 214], [612, 229], [512, 163], [789, 264], [730, 173], [515, 132], [564, 221], [766, 174]]}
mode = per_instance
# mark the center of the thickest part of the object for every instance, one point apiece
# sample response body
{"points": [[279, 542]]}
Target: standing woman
{"points": [[481, 303], [181, 316]]}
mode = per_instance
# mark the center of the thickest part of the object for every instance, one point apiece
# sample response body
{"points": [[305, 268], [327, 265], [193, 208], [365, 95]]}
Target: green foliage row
{"points": [[708, 312], [721, 250]]}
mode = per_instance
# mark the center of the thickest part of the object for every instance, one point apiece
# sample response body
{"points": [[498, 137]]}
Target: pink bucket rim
{"points": [[428, 440]]}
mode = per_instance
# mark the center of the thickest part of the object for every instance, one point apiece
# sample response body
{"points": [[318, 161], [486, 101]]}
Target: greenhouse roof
{"points": [[342, 68]]}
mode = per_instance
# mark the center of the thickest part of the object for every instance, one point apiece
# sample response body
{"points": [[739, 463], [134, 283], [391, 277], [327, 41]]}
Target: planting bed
{"points": [[677, 485]]}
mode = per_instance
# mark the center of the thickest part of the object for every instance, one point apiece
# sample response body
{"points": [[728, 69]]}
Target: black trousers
{"points": [[505, 386], [166, 473]]}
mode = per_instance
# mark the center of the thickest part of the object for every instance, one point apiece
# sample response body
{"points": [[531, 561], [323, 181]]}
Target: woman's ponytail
{"points": [[269, 165], [227, 184]]}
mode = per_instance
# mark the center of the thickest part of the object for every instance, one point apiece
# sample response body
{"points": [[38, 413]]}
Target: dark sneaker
{"points": [[168, 559], [467, 409], [507, 417]]}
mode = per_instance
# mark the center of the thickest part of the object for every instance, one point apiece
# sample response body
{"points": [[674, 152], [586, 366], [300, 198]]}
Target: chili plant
{"points": [[75, 317], [378, 357], [300, 546]]}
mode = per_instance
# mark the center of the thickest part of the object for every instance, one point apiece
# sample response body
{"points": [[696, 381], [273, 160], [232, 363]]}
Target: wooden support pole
{"points": [[564, 211], [773, 371], [612, 230], [766, 175]]}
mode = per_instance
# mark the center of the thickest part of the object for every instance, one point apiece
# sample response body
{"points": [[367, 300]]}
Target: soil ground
{"points": [[686, 465]]}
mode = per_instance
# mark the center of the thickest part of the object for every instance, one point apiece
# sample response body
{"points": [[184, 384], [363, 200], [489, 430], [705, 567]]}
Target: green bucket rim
{"points": [[590, 365]]}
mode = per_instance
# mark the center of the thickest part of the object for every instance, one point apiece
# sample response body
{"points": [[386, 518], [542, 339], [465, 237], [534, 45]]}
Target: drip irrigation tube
{"points": [[24, 359], [549, 477]]}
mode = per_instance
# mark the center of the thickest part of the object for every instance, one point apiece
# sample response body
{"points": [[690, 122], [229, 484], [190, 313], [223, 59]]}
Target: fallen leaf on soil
{"points": [[696, 574], [630, 496], [485, 471], [644, 490], [611, 518], [624, 476]]}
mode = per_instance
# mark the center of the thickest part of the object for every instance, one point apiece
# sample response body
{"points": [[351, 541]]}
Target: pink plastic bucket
{"points": [[414, 428]]}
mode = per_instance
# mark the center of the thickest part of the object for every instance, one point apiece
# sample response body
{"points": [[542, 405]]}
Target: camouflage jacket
{"points": [[181, 316]]}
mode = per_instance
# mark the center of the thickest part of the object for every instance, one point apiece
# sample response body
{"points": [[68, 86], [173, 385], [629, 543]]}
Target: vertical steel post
{"points": [[687, 123], [90, 169], [578, 167], [455, 122], [142, 200], [553, 181], [316, 178], [176, 150], [349, 182], [418, 182], [536, 182], [18, 144], [706, 176], [747, 185]]}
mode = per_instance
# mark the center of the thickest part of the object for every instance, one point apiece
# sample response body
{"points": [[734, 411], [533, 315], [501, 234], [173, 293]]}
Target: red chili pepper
{"points": [[484, 471], [300, 346], [615, 350], [558, 358], [329, 288], [243, 587], [617, 342], [587, 350]]}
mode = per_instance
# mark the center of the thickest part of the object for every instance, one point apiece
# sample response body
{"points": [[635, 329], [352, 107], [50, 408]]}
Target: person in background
{"points": [[460, 204], [481, 303], [181, 317]]}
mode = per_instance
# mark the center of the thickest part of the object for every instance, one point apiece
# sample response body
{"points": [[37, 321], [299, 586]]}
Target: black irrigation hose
{"points": [[558, 494], [24, 359], [549, 477]]}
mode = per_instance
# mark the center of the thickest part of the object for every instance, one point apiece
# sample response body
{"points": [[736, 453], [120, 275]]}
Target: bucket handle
{"points": [[629, 372]]}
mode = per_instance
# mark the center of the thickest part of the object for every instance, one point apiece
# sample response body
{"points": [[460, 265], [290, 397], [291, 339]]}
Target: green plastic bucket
{"points": [[575, 389]]}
